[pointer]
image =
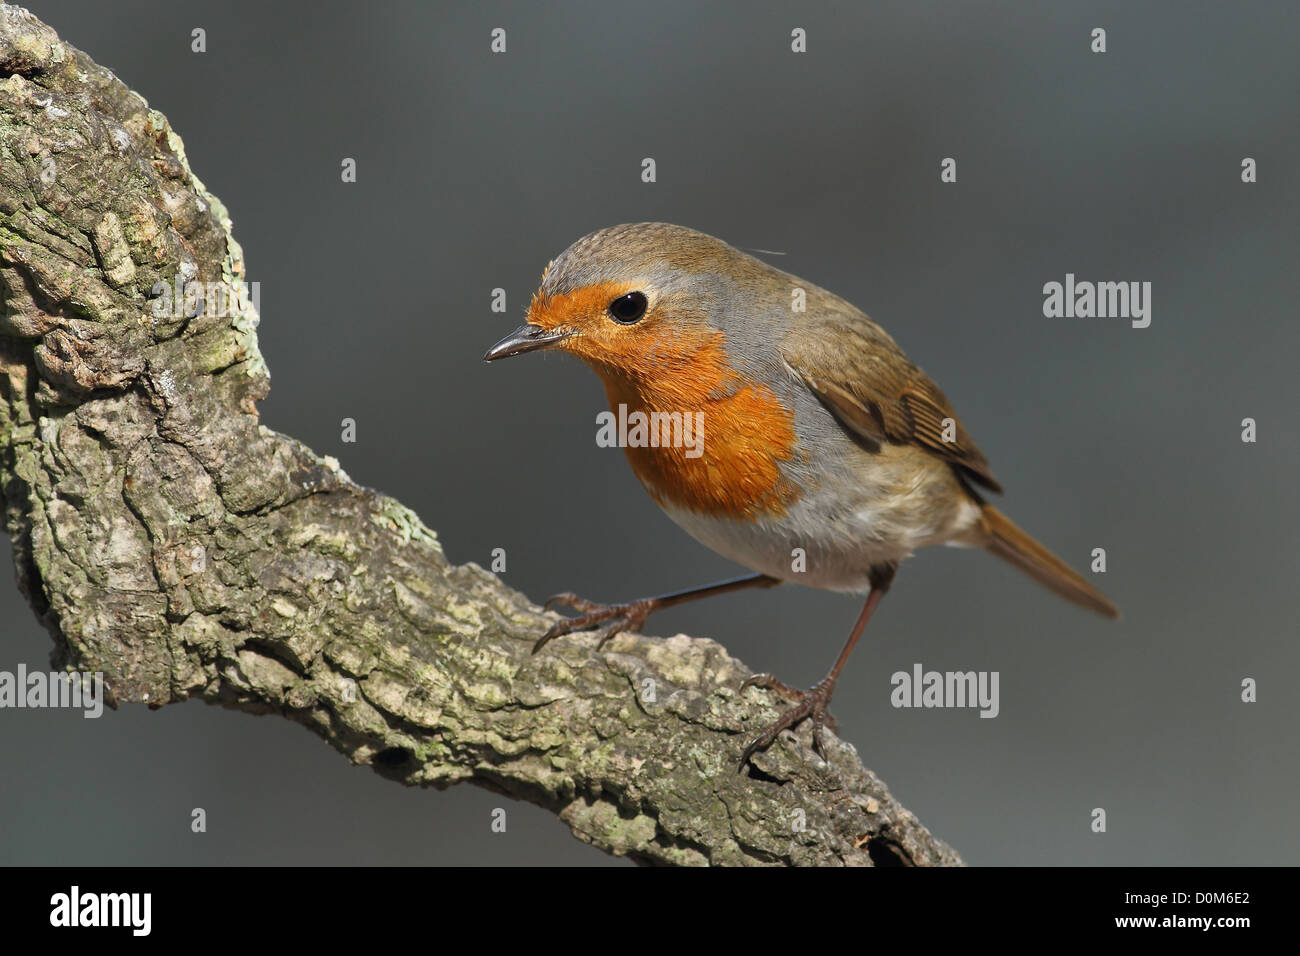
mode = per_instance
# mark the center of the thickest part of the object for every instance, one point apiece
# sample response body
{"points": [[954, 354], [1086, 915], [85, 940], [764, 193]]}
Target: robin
{"points": [[820, 454]]}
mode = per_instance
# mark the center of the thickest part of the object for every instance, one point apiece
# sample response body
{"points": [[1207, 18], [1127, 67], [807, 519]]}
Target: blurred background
{"points": [[474, 169]]}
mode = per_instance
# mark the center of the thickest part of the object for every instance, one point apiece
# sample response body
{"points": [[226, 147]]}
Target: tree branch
{"points": [[166, 538]]}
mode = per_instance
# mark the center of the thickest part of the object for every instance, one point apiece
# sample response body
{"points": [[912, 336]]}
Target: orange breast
{"points": [[679, 366], [746, 434]]}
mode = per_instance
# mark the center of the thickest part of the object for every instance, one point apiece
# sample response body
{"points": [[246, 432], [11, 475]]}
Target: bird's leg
{"points": [[617, 618], [632, 616], [815, 702]]}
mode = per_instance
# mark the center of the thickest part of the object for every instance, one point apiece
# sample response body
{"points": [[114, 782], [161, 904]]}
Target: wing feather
{"points": [[875, 391]]}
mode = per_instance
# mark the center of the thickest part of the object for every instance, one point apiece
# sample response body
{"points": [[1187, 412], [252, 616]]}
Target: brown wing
{"points": [[864, 378]]}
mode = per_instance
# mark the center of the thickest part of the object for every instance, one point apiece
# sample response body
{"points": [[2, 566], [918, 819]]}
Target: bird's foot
{"points": [[612, 619], [813, 703]]}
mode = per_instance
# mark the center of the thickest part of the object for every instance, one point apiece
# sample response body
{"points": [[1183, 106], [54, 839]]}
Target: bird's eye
{"points": [[627, 309]]}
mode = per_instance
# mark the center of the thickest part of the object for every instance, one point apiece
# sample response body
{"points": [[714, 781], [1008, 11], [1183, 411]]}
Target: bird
{"points": [[822, 455]]}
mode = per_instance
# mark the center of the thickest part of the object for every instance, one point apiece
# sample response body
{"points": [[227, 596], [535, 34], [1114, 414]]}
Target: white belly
{"points": [[832, 540]]}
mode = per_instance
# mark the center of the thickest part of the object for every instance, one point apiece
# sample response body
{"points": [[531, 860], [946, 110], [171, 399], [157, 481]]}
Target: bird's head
{"points": [[639, 303]]}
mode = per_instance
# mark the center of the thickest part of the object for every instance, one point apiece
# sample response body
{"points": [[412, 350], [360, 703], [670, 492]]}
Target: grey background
{"points": [[475, 169]]}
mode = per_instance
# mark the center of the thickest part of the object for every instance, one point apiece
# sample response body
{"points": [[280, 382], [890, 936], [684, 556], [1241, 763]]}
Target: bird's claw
{"points": [[813, 703], [569, 599], [616, 618]]}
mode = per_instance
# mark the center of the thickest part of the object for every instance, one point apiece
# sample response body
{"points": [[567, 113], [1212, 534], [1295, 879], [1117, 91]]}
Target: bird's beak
{"points": [[526, 338]]}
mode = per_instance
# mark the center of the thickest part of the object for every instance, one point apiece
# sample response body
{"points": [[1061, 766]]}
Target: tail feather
{"points": [[1012, 545]]}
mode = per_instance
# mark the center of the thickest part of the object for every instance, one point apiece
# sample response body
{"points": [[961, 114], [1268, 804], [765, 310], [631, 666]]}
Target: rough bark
{"points": [[166, 538]]}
